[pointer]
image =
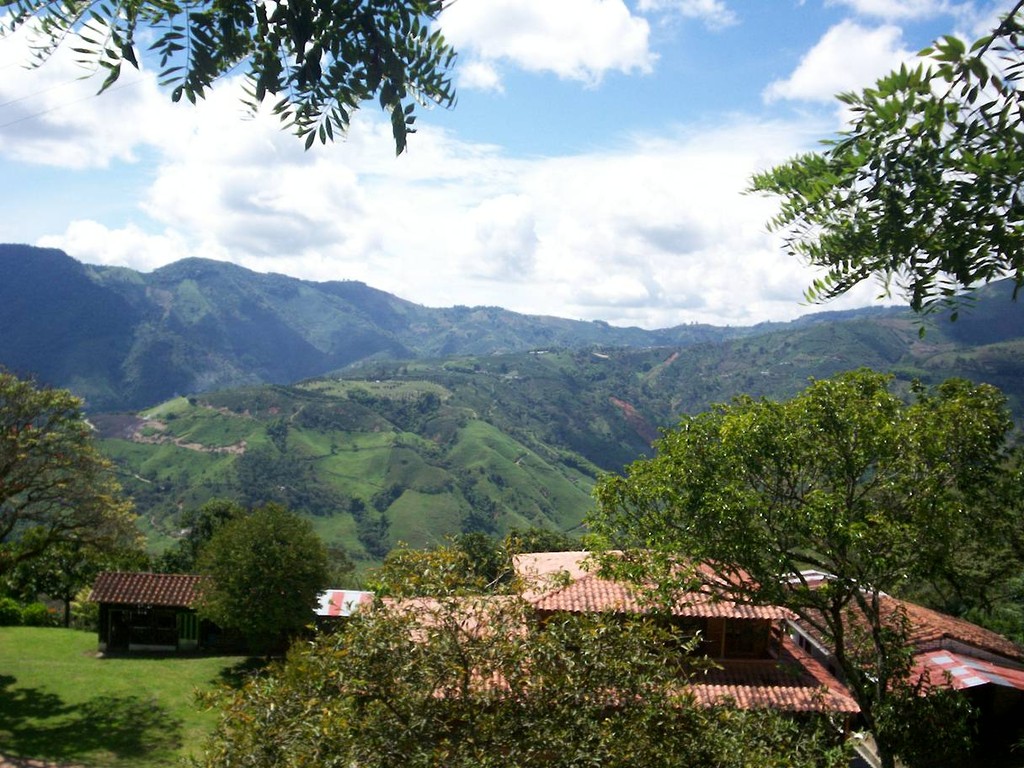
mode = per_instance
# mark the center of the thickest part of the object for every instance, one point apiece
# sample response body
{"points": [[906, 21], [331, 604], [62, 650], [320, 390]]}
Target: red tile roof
{"points": [[592, 593], [794, 682], [930, 629], [167, 589]]}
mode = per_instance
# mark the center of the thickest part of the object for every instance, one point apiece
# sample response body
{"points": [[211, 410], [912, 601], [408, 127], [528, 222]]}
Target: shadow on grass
{"points": [[34, 723], [238, 674]]}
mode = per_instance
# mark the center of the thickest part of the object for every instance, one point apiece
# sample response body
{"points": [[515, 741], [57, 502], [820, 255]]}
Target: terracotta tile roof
{"points": [[538, 564], [543, 571], [168, 589], [592, 593], [930, 629], [794, 682]]}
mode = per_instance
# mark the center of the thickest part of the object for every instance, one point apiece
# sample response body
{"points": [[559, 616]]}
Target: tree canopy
{"points": [[478, 682], [922, 190], [267, 569], [317, 62], [199, 524], [845, 478], [55, 487], [63, 569]]}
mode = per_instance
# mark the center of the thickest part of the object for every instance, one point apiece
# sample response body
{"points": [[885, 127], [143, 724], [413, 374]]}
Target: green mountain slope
{"points": [[125, 339], [412, 451], [372, 463]]}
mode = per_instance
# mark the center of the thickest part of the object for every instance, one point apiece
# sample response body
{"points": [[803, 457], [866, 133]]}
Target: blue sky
{"points": [[593, 168]]}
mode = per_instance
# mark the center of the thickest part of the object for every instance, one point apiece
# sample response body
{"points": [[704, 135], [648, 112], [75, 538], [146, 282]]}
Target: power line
{"points": [[62, 105]]}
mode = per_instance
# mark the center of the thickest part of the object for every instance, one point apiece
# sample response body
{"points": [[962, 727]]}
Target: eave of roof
{"points": [[931, 630], [175, 590]]}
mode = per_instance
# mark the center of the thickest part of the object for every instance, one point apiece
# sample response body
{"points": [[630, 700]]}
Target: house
{"points": [[950, 653], [757, 665], [149, 612]]}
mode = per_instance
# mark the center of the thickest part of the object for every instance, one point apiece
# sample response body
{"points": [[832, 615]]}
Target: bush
{"points": [[85, 614], [37, 615], [10, 612]]}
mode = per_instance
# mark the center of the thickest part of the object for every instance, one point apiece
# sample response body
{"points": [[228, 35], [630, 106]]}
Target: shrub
{"points": [[85, 614], [37, 615], [10, 612]]}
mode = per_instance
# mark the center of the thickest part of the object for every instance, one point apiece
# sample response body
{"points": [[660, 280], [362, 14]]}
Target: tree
{"points": [[845, 478], [923, 189], [444, 571], [63, 569], [199, 526], [465, 564], [266, 570], [319, 61], [476, 682], [54, 484]]}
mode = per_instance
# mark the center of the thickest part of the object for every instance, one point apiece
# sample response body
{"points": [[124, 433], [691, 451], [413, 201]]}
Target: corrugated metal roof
{"points": [[341, 602], [960, 671], [168, 589]]}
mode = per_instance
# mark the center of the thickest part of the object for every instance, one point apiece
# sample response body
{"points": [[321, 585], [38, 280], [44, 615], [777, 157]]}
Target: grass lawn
{"points": [[59, 702]]}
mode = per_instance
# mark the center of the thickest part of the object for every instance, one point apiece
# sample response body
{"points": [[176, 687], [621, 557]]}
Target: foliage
{"points": [[64, 568], [10, 612], [85, 614], [476, 682], [844, 478], [536, 539], [37, 615], [442, 571], [199, 525], [266, 570], [317, 62], [923, 189], [465, 564], [55, 486]]}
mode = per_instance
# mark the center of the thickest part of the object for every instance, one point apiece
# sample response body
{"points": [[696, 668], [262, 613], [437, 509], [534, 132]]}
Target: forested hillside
{"points": [[414, 450], [125, 339]]}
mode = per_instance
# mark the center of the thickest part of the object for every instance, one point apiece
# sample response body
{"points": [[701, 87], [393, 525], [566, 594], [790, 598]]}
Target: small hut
{"points": [[148, 611]]}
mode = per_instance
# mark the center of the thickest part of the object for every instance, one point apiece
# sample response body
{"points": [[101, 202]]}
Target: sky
{"points": [[594, 167]]}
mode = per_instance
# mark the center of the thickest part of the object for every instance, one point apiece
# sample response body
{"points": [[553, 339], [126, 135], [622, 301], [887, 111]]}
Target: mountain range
{"points": [[386, 421], [127, 339]]}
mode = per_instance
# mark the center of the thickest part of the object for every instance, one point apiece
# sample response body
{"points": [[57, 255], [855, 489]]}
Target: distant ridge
{"points": [[124, 339]]}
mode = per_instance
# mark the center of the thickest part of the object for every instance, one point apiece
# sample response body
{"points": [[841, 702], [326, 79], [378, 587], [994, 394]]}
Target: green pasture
{"points": [[61, 702]]}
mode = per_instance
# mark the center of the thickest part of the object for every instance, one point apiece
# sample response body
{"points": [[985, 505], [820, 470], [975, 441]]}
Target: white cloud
{"points": [[848, 57], [898, 9], [53, 116], [655, 233], [573, 39], [714, 13], [128, 247], [480, 75]]}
